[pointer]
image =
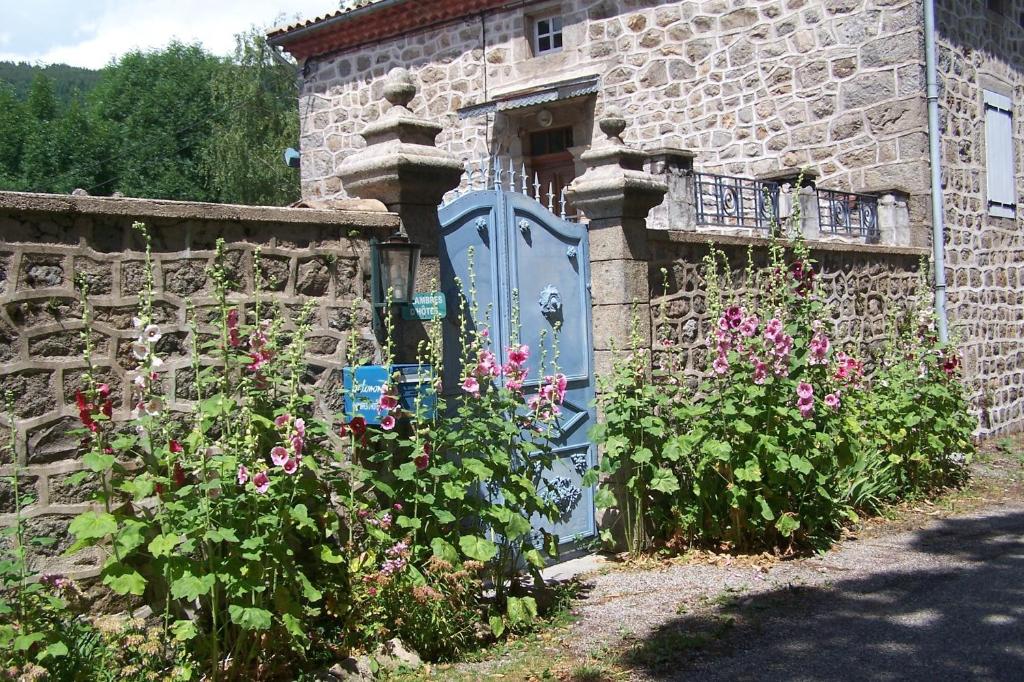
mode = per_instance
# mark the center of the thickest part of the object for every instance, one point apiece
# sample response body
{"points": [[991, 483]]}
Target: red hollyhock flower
{"points": [[175, 446], [179, 475], [108, 409], [358, 426]]}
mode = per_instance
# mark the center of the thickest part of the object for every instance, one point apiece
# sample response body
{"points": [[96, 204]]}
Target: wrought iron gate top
{"points": [[494, 173]]}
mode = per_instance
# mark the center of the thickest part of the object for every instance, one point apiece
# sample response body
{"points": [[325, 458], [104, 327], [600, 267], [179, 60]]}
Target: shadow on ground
{"points": [[951, 610]]}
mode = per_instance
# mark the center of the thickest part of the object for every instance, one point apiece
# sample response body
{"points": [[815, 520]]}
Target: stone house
{"points": [[756, 90]]}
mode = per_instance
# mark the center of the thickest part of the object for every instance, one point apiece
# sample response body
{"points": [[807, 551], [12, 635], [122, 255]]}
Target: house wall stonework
{"points": [[750, 88], [47, 242], [979, 50]]}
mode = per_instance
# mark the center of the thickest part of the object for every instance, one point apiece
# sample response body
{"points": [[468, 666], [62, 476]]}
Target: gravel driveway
{"points": [[940, 600]]}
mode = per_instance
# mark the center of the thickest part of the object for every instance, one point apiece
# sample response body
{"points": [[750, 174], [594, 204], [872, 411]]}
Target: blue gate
{"points": [[522, 252]]}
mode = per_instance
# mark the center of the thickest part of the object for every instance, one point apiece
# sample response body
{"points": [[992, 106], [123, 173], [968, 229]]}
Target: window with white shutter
{"points": [[999, 153]]}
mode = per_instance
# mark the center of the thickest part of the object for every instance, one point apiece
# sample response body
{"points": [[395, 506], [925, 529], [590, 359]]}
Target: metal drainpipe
{"points": [[934, 158]]}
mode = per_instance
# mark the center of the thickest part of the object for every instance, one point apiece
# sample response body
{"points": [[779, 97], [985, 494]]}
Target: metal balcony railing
{"points": [[848, 214], [728, 201]]}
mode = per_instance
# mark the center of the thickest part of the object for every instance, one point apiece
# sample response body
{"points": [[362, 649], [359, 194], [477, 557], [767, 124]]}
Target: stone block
{"points": [[53, 441], [866, 89], [616, 242], [274, 273], [61, 491], [97, 276], [66, 344], [618, 281], [43, 271], [185, 277], [32, 390], [613, 325], [27, 491]]}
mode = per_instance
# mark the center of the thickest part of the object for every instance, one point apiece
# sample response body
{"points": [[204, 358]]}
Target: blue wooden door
{"points": [[529, 262]]}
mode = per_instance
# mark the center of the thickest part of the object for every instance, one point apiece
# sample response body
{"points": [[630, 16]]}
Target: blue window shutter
{"points": [[999, 153]]}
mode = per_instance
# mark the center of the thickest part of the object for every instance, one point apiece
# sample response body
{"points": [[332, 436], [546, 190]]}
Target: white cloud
{"points": [[124, 25]]}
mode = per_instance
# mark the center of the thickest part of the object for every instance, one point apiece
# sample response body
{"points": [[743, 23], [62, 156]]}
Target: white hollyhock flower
{"points": [[140, 350], [154, 406], [151, 333]]}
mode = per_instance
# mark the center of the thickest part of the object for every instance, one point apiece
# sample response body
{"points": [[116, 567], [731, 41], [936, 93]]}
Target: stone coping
{"points": [[356, 213], [704, 238]]}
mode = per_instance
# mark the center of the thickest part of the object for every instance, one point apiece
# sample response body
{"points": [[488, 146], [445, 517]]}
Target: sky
{"points": [[91, 33]]}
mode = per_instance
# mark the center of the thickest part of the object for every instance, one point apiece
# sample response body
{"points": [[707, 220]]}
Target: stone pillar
{"points": [[894, 219], [678, 211], [401, 165], [616, 195]]}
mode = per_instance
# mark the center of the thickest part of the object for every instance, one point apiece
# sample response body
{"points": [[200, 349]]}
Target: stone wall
{"points": [[751, 88], [979, 49], [48, 241], [859, 283]]}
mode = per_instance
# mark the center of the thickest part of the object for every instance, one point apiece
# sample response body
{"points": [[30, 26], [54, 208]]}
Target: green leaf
{"points": [[741, 426], [300, 515], [328, 556], [189, 587], [25, 642], [521, 610], [308, 591], [642, 456], [605, 499], [664, 481], [294, 626], [163, 545], [250, 618], [55, 650], [497, 624], [535, 558], [478, 548], [124, 580], [801, 464], [98, 462], [444, 516], [516, 527], [221, 535], [444, 550], [787, 525], [184, 630], [92, 524], [766, 511], [130, 536]]}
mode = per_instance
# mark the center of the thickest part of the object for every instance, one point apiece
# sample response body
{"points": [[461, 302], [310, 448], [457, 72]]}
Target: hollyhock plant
{"points": [[278, 455], [261, 482]]}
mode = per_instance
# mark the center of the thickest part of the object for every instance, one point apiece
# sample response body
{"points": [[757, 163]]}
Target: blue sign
{"points": [[429, 305], [363, 387]]}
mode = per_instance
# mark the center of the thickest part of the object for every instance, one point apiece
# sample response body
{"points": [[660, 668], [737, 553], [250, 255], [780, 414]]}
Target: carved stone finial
{"points": [[399, 87], [612, 124]]}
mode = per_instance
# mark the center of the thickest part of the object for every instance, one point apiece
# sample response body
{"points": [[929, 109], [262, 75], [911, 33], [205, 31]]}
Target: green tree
{"points": [[12, 132], [42, 104], [243, 155], [161, 111]]}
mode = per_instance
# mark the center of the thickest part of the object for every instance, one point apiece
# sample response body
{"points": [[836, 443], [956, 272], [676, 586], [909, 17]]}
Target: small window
{"points": [[547, 34], [999, 154], [550, 141]]}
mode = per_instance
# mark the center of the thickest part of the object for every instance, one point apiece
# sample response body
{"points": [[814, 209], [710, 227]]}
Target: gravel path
{"points": [[942, 601]]}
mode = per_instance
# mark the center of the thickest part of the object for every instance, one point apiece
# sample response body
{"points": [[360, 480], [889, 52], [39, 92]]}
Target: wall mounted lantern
{"points": [[393, 267]]}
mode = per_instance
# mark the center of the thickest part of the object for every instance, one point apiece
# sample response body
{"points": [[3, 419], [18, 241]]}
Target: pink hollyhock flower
{"points": [[723, 324], [387, 402], [291, 465], [748, 327], [950, 365], [282, 420], [832, 401], [233, 317], [773, 329], [819, 349], [562, 384], [485, 333], [397, 506], [387, 423], [104, 391], [734, 316], [261, 481], [783, 345], [806, 408], [471, 386], [805, 390], [487, 364], [175, 446], [297, 445], [760, 372], [300, 427], [533, 402], [515, 384], [720, 365], [243, 474], [278, 455], [519, 354]]}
